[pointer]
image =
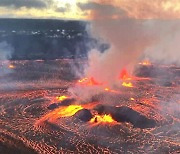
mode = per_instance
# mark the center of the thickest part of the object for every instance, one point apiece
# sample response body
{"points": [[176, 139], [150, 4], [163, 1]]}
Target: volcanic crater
{"points": [[40, 115]]}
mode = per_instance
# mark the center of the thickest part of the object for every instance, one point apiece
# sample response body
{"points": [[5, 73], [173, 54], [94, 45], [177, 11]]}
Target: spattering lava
{"points": [[102, 119]]}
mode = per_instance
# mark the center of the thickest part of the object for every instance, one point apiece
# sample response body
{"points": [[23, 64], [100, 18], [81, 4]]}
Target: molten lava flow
{"points": [[69, 110], [66, 111], [110, 90], [89, 82], [102, 119], [127, 84], [145, 63], [62, 98]]}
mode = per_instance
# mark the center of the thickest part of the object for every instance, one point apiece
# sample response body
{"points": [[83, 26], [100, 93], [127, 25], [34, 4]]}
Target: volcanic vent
{"points": [[136, 113], [45, 118]]}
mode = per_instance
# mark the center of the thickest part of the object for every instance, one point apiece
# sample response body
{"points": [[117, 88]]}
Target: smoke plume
{"points": [[167, 49], [5, 51], [5, 55], [129, 39]]}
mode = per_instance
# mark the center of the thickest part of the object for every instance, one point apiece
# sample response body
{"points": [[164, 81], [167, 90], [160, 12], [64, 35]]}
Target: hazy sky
{"points": [[88, 9]]}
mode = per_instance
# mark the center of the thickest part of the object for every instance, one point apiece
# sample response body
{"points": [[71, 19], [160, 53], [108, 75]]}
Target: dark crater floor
{"points": [[30, 121]]}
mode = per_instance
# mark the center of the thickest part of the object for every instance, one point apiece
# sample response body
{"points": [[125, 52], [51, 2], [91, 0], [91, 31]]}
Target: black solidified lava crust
{"points": [[53, 106], [62, 103], [84, 115], [126, 114]]}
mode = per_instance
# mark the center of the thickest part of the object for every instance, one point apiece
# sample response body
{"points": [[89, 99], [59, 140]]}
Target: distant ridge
{"points": [[29, 39], [9, 24]]}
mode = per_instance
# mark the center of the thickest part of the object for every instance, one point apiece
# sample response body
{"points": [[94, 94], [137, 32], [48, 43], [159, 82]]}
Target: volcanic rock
{"points": [[53, 106], [67, 102], [126, 114], [62, 103], [84, 115]]}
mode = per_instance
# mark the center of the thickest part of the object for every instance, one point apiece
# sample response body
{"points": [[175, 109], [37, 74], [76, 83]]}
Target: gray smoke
{"points": [[130, 39], [5, 55], [167, 49], [5, 51]]}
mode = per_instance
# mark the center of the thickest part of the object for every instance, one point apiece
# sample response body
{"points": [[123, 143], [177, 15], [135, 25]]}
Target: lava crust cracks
{"points": [[41, 116]]}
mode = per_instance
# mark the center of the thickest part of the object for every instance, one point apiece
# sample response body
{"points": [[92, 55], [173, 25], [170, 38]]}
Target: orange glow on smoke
{"points": [[83, 80], [124, 75], [127, 84], [107, 89], [89, 82], [102, 119], [110, 90], [61, 98], [145, 63]]}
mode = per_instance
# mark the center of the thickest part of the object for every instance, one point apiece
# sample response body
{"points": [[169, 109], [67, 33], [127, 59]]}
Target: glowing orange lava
{"points": [[132, 99], [83, 80], [89, 82], [145, 63], [11, 66], [124, 75], [127, 84], [110, 90], [65, 111], [62, 98], [102, 119], [69, 110], [61, 112]]}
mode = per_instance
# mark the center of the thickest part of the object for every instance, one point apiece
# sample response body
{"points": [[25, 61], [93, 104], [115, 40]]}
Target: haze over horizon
{"points": [[88, 9]]}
